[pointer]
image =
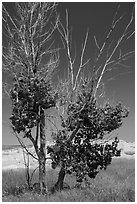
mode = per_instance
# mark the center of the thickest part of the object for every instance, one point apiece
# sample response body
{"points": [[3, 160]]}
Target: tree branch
{"points": [[81, 60], [65, 35], [23, 146], [105, 48]]}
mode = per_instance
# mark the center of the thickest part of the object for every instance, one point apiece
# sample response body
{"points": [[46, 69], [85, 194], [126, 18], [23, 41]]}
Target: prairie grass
{"points": [[116, 184]]}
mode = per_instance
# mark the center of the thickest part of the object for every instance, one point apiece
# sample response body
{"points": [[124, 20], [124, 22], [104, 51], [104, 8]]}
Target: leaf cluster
{"points": [[94, 122], [84, 159], [86, 152], [27, 96]]}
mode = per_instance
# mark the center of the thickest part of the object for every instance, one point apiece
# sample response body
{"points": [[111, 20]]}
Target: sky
{"points": [[119, 84]]}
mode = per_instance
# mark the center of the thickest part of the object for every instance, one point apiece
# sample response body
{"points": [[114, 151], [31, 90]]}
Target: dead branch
{"points": [[108, 62], [66, 41], [81, 60], [27, 43]]}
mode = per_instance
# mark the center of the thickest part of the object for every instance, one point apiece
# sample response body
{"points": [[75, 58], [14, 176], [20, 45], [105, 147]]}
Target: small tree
{"points": [[81, 145], [31, 60]]}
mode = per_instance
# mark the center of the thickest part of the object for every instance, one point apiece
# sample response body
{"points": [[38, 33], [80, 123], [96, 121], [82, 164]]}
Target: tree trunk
{"points": [[42, 174], [60, 181], [42, 169]]}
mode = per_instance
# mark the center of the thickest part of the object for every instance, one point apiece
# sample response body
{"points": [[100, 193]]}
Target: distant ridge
{"points": [[8, 147], [127, 148]]}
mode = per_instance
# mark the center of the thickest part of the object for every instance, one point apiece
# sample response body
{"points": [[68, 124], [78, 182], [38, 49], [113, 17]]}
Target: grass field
{"points": [[116, 184]]}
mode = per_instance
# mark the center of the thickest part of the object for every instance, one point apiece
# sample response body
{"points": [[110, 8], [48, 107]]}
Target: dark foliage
{"points": [[27, 95], [86, 151]]}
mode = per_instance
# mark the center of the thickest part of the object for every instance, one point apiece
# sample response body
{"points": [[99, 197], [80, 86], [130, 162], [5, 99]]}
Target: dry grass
{"points": [[117, 184]]}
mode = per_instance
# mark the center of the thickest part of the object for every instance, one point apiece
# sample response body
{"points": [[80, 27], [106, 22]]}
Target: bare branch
{"points": [[81, 60], [121, 38], [27, 42], [46, 38], [10, 18], [130, 35], [121, 58], [116, 13], [65, 35], [106, 41], [106, 47], [67, 25], [24, 146], [96, 42]]}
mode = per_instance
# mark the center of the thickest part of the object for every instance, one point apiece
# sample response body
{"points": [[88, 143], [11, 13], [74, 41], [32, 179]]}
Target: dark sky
{"points": [[96, 17]]}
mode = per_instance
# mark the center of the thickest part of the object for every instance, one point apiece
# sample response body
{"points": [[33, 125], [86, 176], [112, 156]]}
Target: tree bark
{"points": [[42, 174], [42, 169], [60, 181], [61, 176]]}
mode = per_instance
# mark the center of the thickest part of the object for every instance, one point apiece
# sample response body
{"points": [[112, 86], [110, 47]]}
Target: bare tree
{"points": [[106, 58], [30, 59], [84, 124]]}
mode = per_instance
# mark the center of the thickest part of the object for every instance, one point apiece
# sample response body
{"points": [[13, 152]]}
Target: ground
{"points": [[116, 184]]}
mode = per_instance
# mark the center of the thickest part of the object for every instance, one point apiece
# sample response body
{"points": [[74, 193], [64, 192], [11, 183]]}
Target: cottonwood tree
{"points": [[82, 145], [30, 58]]}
